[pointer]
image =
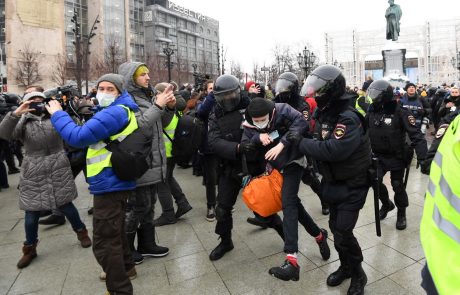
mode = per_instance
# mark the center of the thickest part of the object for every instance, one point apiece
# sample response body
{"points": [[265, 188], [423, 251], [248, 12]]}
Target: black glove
{"points": [[294, 137], [247, 148], [421, 112], [424, 167]]}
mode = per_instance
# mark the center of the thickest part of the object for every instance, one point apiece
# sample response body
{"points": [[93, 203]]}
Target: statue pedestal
{"points": [[394, 58]]}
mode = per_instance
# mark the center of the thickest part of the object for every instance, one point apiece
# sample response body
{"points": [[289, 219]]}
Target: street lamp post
{"points": [[88, 43], [195, 74], [337, 64], [168, 51], [306, 61]]}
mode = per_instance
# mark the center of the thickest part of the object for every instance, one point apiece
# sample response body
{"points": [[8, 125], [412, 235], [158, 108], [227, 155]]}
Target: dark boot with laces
{"points": [[337, 277], [286, 272], [401, 219]]}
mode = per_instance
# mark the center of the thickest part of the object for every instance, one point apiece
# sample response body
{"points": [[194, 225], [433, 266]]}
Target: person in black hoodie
{"points": [[264, 134], [344, 156]]}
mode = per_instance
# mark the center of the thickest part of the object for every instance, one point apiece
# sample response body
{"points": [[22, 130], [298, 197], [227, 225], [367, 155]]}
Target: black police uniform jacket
{"points": [[342, 146], [224, 135], [388, 127]]}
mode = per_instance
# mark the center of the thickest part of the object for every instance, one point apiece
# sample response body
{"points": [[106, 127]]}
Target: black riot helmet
{"points": [[287, 87], [381, 92], [431, 91], [326, 84], [227, 92]]}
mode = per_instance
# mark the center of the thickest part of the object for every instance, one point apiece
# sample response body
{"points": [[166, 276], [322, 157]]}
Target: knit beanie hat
{"points": [[139, 71], [259, 107], [115, 79], [248, 85], [34, 94]]}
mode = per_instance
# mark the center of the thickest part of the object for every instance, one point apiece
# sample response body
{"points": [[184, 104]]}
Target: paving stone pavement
{"points": [[392, 262]]}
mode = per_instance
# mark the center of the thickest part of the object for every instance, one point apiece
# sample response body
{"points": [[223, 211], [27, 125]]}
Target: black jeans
{"points": [[110, 245], [293, 210], [397, 182], [170, 189], [209, 162], [141, 207]]}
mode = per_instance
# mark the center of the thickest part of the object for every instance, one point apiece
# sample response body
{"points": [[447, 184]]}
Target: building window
{"points": [[182, 38], [182, 51], [181, 23], [191, 26], [160, 32], [209, 32], [162, 17], [200, 42], [192, 53], [172, 20], [215, 33], [201, 30], [191, 41], [208, 44], [200, 56]]}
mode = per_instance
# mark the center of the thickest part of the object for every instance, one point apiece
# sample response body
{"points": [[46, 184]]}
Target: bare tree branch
{"points": [[59, 70], [28, 67]]}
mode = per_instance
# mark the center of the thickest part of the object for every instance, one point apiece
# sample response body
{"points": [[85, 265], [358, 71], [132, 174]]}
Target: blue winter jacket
{"points": [[102, 125]]}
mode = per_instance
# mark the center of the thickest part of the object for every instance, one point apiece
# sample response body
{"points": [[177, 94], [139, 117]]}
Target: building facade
{"points": [[431, 52], [127, 30]]}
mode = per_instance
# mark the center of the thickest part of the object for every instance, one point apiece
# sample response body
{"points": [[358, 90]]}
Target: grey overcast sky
{"points": [[249, 30]]}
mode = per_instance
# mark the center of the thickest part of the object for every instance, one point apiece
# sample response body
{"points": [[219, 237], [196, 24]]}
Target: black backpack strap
{"points": [[167, 135]]}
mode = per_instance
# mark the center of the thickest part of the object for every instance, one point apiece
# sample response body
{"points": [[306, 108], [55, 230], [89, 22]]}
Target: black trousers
{"points": [[227, 192], [209, 162], [397, 182], [110, 245]]}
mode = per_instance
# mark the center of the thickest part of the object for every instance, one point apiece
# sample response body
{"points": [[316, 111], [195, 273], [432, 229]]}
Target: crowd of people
{"points": [[319, 133]]}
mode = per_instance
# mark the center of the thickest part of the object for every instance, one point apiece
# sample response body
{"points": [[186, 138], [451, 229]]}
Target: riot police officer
{"points": [[343, 151], [388, 125], [224, 136]]}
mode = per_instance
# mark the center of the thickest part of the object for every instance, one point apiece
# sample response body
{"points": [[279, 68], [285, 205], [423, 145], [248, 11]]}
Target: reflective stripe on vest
{"points": [[440, 225], [170, 130], [367, 100], [98, 157]]}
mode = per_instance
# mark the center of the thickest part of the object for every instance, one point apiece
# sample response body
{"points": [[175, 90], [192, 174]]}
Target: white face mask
{"points": [[262, 124], [105, 99]]}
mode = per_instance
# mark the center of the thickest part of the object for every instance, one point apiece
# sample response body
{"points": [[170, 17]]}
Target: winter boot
{"points": [[386, 207], [29, 253], [401, 219], [288, 271], [53, 220], [323, 246], [257, 221], [337, 277], [138, 258], [324, 208], [83, 237], [225, 245], [146, 244], [183, 208], [358, 281], [163, 220]]}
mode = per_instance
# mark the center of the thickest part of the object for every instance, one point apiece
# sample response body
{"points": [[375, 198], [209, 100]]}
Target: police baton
{"points": [[376, 189]]}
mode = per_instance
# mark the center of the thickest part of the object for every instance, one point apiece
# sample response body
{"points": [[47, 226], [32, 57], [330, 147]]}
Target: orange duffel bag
{"points": [[263, 193]]}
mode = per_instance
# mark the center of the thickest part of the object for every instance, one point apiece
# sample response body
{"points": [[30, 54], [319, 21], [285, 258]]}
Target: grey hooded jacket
{"points": [[46, 181], [148, 113]]}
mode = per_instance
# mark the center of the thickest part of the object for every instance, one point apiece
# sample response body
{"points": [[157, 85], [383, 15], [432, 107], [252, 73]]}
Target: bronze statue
{"points": [[393, 15]]}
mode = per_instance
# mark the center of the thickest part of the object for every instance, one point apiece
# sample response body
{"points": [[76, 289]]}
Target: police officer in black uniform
{"points": [[344, 154], [388, 125], [224, 136]]}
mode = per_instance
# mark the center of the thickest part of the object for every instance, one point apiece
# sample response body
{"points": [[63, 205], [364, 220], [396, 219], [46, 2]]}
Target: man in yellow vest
{"points": [[170, 188], [116, 120], [363, 102], [440, 225]]}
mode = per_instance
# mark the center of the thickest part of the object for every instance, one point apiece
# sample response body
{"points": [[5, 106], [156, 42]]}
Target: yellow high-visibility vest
{"points": [[170, 130], [359, 108], [440, 225], [98, 157]]}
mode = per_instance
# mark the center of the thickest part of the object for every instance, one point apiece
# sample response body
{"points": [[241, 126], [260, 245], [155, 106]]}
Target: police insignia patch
{"points": [[306, 115], [441, 130], [411, 120], [339, 131]]}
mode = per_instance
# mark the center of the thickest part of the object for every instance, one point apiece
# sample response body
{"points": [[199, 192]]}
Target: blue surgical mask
{"points": [[105, 99]]}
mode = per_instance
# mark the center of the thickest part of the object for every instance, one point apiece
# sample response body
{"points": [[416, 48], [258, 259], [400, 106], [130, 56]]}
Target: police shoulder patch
{"points": [[339, 131], [411, 120], [306, 114], [441, 130]]}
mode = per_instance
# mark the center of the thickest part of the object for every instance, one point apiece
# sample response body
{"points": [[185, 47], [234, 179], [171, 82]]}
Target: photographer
{"points": [[46, 181]]}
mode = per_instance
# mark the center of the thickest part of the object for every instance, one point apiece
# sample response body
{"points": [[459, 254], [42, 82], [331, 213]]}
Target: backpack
{"points": [[130, 155], [187, 137]]}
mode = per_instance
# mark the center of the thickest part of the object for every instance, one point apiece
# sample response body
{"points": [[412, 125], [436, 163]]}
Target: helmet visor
{"points": [[229, 100], [314, 86], [374, 93], [283, 86]]}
